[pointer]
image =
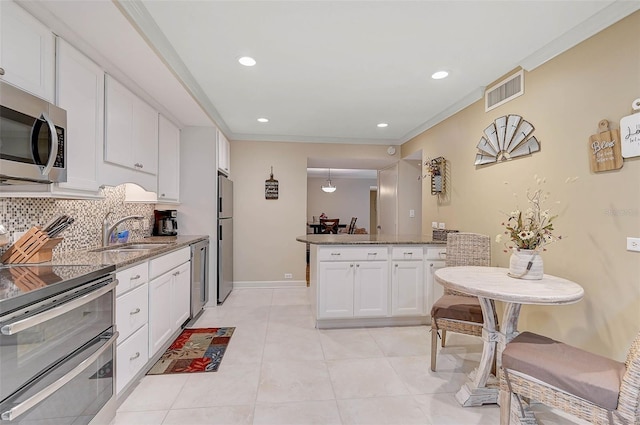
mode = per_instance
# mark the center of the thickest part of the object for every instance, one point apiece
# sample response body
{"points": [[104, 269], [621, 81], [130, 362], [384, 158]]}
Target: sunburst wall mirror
{"points": [[506, 138]]}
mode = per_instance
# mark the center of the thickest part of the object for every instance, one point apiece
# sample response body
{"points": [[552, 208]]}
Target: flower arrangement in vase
{"points": [[528, 233]]}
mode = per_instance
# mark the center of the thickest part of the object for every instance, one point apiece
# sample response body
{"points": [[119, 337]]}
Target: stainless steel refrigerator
{"points": [[225, 238]]}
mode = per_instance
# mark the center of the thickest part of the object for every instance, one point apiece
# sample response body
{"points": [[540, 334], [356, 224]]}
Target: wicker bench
{"points": [[583, 384]]}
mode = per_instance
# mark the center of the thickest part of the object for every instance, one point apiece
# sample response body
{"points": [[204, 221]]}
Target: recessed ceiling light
{"points": [[263, 119], [247, 61], [440, 75], [383, 125]]}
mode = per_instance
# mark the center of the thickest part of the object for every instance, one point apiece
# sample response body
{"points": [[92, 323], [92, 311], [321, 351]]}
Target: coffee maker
{"points": [[165, 222]]}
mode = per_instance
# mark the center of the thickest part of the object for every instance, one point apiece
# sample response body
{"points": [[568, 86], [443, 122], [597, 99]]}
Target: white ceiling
{"points": [[326, 70]]}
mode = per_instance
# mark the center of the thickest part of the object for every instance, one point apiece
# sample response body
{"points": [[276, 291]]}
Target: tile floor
{"points": [[279, 369]]}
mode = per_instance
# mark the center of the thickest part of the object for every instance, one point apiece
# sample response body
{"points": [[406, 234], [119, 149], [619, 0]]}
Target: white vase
{"points": [[519, 264]]}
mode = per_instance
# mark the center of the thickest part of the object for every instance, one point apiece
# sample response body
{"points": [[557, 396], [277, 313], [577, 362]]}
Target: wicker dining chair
{"points": [[591, 387], [454, 311]]}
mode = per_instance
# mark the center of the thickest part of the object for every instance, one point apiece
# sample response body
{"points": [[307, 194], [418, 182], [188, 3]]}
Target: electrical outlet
{"points": [[288, 276], [633, 244], [412, 213], [145, 224], [434, 224], [440, 225]]}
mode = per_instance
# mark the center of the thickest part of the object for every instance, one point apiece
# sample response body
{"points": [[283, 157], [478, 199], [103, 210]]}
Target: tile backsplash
{"points": [[20, 214]]}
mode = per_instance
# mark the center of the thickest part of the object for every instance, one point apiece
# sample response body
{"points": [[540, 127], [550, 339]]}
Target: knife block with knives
{"points": [[35, 246]]}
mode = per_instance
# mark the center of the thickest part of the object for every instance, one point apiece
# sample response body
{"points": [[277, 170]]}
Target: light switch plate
{"points": [[633, 244]]}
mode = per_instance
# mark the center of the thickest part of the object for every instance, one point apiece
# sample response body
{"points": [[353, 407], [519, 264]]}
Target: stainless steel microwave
{"points": [[32, 138]]}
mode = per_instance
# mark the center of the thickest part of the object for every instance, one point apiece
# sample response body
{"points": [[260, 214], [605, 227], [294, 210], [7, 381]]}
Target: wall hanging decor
{"points": [[630, 132], [435, 168], [604, 149], [271, 187], [506, 138]]}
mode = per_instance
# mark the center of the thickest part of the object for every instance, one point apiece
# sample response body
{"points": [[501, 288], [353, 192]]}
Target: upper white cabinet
{"points": [[80, 88], [168, 161], [26, 51], [224, 154], [131, 133]]}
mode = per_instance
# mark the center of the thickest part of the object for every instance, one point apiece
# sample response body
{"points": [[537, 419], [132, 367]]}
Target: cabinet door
{"points": [[145, 137], [180, 295], [26, 51], [433, 289], [168, 161], [224, 154], [118, 124], [80, 91], [160, 324], [407, 286], [335, 297], [371, 289]]}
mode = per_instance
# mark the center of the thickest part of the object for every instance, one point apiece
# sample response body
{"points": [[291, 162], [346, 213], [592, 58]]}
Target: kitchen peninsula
{"points": [[372, 280]]}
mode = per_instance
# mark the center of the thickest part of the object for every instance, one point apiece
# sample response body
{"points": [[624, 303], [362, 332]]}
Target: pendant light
{"points": [[329, 188]]}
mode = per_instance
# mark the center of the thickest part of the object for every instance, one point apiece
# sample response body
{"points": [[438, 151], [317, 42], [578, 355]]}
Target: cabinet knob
{"points": [[135, 356], [136, 311], [1, 71]]}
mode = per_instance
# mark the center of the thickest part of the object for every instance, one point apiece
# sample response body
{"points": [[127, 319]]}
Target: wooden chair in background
{"points": [[329, 225], [352, 226], [454, 311]]}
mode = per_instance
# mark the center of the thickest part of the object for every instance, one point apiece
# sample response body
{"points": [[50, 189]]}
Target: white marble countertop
{"points": [[346, 239], [494, 283]]}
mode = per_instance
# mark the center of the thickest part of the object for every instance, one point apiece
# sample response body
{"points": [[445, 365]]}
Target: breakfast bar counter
{"points": [[372, 280]]}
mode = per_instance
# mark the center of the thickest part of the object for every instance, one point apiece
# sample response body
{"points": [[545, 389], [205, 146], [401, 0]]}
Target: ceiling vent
{"points": [[504, 91]]}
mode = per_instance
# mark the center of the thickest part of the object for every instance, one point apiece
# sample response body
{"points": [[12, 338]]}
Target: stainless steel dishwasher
{"points": [[199, 278]]}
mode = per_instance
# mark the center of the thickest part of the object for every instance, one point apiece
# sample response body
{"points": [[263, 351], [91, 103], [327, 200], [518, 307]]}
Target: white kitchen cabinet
{"points": [[131, 134], [160, 302], [132, 355], [356, 287], [434, 260], [224, 154], [27, 51], [132, 317], [168, 161], [407, 281], [371, 290], [169, 296]]}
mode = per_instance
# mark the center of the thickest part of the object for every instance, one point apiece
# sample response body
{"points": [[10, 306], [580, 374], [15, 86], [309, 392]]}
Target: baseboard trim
{"points": [[274, 284]]}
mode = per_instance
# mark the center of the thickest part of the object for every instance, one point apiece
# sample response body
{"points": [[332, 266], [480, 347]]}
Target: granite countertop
{"points": [[346, 239], [122, 259]]}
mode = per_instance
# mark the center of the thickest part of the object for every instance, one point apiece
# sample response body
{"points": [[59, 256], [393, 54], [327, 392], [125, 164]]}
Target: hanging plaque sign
{"points": [[271, 187]]}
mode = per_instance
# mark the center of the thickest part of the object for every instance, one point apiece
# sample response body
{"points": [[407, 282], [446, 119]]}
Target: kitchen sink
{"points": [[132, 247]]}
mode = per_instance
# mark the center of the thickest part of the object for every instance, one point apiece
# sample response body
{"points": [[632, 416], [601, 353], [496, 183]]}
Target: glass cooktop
{"points": [[21, 285]]}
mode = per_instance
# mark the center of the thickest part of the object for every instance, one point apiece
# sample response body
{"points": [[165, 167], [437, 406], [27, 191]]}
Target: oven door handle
{"points": [[29, 322], [25, 406]]}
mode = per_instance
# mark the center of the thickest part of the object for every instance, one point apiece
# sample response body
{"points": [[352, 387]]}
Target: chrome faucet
{"points": [[107, 229]]}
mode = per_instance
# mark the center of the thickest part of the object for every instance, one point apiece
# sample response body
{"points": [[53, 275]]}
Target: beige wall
{"points": [[564, 100], [351, 199], [265, 231]]}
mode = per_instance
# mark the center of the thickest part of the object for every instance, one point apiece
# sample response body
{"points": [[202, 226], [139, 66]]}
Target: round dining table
{"points": [[494, 283]]}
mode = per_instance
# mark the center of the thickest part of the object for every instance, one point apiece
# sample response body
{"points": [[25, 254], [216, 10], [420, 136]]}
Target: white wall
{"points": [[351, 199]]}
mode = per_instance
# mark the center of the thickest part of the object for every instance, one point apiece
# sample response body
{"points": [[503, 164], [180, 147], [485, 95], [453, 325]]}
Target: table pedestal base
{"points": [[471, 395]]}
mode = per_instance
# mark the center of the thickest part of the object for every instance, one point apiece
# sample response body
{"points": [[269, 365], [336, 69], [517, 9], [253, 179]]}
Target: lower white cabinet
{"points": [[132, 357], [407, 288]]}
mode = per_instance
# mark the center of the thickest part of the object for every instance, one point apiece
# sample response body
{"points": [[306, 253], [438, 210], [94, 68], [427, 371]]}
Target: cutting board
{"points": [[604, 149]]}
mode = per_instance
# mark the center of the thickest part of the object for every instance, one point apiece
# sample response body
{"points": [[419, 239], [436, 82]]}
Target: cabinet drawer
{"points": [[132, 311], [341, 253], [436, 253], [132, 356], [169, 261], [407, 253], [132, 277]]}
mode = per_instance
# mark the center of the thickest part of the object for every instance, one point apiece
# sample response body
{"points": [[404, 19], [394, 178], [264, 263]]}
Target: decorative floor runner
{"points": [[195, 350]]}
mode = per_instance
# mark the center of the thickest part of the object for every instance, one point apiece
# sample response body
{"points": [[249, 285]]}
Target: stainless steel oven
{"points": [[57, 358], [32, 138]]}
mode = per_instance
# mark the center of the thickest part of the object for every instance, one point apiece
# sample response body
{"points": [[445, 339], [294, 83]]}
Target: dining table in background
{"points": [[317, 227], [494, 283]]}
